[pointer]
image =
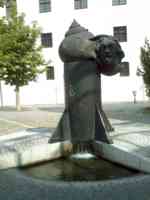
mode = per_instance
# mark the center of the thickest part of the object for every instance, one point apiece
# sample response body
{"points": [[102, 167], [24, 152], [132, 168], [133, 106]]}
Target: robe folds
{"points": [[81, 121]]}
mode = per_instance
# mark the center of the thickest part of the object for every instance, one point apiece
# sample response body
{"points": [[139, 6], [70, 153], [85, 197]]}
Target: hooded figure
{"points": [[85, 57]]}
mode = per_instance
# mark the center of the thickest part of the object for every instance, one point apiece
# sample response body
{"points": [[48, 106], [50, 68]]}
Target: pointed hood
{"points": [[76, 28]]}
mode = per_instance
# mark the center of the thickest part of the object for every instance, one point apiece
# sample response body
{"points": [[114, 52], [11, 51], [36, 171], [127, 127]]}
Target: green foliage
{"points": [[20, 56], [2, 2], [145, 61], [6, 2]]}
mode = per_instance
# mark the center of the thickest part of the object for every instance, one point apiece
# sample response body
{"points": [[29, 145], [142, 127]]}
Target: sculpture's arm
{"points": [[76, 48]]}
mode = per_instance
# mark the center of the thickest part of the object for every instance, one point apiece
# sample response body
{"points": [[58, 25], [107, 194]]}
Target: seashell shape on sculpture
{"points": [[76, 28]]}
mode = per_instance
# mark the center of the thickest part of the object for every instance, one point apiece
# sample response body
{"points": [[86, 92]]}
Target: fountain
{"points": [[84, 127]]}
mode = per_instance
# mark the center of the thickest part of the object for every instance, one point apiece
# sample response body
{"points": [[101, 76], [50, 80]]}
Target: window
{"points": [[120, 32], [44, 6], [118, 2], [125, 69], [46, 40], [80, 4], [50, 73]]}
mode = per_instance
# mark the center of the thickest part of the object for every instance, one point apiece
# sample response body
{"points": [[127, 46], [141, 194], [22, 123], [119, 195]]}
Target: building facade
{"points": [[124, 19]]}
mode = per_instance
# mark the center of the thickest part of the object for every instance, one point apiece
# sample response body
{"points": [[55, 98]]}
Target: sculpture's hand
{"points": [[88, 49]]}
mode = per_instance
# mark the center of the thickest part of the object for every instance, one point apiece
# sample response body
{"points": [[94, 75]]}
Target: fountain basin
{"points": [[26, 149], [31, 147]]}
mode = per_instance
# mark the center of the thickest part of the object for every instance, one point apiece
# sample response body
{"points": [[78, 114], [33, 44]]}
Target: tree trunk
{"points": [[1, 95], [18, 106]]}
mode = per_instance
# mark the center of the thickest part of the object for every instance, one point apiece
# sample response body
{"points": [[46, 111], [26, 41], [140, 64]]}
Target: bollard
{"points": [[134, 96]]}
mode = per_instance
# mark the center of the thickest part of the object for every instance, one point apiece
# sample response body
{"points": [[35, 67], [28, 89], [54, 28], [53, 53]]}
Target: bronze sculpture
{"points": [[85, 57]]}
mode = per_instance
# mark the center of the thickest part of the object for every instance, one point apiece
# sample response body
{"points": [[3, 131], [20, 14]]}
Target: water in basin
{"points": [[78, 167]]}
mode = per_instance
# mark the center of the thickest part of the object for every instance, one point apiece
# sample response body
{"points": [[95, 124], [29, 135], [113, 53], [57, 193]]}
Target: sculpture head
{"points": [[109, 54]]}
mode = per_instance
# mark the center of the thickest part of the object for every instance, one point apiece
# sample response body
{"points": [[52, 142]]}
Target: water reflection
{"points": [[78, 168]]}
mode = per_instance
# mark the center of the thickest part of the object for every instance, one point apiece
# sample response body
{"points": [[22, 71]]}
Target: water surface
{"points": [[78, 168]]}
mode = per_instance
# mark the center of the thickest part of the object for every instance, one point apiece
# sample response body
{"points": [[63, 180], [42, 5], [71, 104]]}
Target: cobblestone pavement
{"points": [[48, 116], [30, 117], [129, 113]]}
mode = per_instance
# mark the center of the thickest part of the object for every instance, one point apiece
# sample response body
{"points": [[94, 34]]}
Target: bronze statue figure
{"points": [[85, 57]]}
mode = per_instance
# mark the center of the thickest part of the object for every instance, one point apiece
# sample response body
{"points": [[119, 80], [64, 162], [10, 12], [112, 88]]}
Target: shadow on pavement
{"points": [[40, 130], [13, 109], [51, 109]]}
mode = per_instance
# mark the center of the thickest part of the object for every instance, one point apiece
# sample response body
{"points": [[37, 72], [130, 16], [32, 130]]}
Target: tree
{"points": [[145, 61], [2, 2], [20, 56], [5, 2]]}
